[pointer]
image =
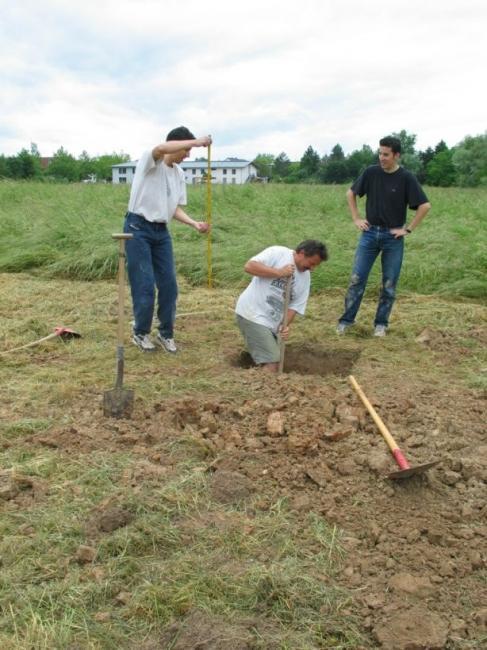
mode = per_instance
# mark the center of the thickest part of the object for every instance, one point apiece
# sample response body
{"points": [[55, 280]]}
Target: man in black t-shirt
{"points": [[390, 190]]}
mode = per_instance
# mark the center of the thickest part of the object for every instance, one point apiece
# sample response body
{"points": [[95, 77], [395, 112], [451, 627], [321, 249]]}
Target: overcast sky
{"points": [[262, 76]]}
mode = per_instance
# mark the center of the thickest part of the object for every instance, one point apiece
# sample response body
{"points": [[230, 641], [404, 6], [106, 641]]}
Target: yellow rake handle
{"points": [[208, 218], [386, 434], [391, 443]]}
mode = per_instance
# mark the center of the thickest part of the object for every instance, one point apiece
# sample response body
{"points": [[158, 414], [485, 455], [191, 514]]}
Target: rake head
{"points": [[412, 471]]}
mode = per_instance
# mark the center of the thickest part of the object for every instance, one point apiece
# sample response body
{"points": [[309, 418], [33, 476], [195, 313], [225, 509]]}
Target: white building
{"points": [[232, 171], [124, 172]]}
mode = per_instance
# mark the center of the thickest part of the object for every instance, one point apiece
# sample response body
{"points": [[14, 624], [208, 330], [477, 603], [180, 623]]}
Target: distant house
{"points": [[231, 171], [124, 172]]}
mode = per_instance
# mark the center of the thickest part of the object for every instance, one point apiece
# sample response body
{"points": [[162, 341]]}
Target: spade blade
{"points": [[118, 403]]}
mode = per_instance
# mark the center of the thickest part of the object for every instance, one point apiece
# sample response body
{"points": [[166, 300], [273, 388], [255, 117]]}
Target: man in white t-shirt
{"points": [[158, 191], [260, 307]]}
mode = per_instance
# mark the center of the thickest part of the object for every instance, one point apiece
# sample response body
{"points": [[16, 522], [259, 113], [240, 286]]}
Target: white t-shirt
{"points": [[157, 189], [262, 301]]}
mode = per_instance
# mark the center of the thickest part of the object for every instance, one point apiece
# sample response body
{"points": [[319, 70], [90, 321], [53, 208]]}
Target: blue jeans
{"points": [[150, 264], [375, 241]]}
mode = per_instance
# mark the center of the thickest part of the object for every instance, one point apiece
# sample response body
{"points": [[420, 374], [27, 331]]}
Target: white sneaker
{"points": [[168, 344], [380, 330], [143, 342], [342, 328]]}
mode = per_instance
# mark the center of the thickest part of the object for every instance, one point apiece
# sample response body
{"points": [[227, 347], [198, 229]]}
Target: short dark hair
{"points": [[392, 142], [180, 133], [312, 247]]}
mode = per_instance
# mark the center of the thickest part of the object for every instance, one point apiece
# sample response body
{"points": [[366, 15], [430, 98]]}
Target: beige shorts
{"points": [[261, 342]]}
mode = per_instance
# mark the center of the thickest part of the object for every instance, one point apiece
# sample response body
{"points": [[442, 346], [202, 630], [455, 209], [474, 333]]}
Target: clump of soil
{"points": [[230, 487], [412, 628], [206, 632]]}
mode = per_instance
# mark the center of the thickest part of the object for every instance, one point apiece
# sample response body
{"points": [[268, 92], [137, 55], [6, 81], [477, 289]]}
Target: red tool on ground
{"points": [[63, 332], [405, 470]]}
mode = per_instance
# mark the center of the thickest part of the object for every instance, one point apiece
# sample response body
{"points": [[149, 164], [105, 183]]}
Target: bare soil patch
{"points": [[414, 546], [414, 551]]}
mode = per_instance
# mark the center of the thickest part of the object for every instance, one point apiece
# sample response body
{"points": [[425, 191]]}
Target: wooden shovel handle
{"points": [[287, 298], [122, 237], [31, 344], [381, 426]]}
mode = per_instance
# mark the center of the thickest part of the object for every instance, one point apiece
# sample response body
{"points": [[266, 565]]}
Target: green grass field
{"points": [[262, 572], [64, 231]]}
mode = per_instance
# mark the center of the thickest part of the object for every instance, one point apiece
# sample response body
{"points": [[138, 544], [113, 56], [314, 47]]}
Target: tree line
{"points": [[28, 164], [463, 165]]}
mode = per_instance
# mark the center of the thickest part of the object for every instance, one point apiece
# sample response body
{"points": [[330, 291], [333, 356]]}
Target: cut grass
{"points": [[165, 560], [65, 231]]}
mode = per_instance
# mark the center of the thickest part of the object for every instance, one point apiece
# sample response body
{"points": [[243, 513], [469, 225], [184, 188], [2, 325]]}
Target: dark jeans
{"points": [[375, 241], [150, 264]]}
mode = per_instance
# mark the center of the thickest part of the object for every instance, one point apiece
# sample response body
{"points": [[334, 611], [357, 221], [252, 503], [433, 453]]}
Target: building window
{"points": [[122, 170], [224, 181], [194, 180], [122, 179], [234, 180], [193, 171], [224, 171], [234, 171]]}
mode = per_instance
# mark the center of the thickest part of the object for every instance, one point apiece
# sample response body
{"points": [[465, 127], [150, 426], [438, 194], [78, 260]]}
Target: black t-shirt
{"points": [[388, 195]]}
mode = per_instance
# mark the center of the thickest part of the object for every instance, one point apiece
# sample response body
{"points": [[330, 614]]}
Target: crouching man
{"points": [[259, 309]]}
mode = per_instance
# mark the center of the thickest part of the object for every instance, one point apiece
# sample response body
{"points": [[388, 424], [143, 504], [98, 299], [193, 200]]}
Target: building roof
{"points": [[199, 164], [129, 163], [215, 164]]}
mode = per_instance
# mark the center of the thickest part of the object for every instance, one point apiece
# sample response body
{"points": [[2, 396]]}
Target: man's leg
{"points": [[165, 279], [140, 273], [391, 261], [365, 256], [261, 343]]}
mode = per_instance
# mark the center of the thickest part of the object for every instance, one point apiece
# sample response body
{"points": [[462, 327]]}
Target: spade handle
{"points": [[122, 237]]}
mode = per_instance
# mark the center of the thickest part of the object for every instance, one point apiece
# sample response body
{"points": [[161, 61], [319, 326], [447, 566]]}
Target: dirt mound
{"points": [[413, 629], [230, 487], [416, 549]]}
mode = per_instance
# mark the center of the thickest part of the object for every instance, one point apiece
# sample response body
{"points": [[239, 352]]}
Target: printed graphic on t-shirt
{"points": [[275, 300]]}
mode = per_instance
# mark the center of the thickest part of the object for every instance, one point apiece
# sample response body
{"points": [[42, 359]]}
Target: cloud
{"points": [[271, 76]]}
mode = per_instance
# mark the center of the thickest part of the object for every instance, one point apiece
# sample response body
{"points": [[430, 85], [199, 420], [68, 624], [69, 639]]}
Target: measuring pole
{"points": [[208, 218]]}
